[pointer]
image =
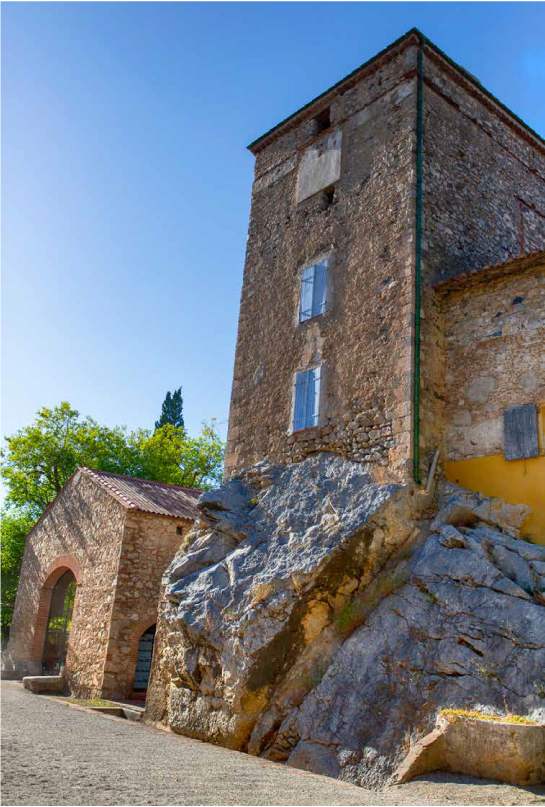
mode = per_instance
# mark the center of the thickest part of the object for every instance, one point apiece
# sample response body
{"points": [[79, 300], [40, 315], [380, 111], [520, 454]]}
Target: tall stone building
{"points": [[402, 176]]}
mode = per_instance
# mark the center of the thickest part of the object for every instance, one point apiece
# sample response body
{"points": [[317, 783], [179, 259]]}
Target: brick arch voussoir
{"points": [[58, 567]]}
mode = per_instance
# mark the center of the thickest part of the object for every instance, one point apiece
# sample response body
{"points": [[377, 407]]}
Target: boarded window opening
{"points": [[520, 437], [320, 165]]}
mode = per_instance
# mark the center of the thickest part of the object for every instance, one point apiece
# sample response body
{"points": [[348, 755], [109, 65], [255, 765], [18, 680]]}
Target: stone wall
{"points": [[494, 357], [363, 339], [149, 544], [81, 531], [479, 165], [494, 333], [483, 204]]}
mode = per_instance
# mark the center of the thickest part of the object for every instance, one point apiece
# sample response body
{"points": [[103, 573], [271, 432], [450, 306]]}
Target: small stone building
{"points": [[90, 581]]}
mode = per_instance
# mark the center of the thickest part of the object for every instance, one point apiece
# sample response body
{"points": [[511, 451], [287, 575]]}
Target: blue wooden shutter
{"points": [[520, 438], [307, 293], [319, 294], [313, 397], [300, 406]]}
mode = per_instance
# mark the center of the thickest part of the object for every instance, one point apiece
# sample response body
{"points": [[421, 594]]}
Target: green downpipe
{"points": [[418, 264]]}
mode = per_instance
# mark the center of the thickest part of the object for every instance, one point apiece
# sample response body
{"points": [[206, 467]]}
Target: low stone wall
{"points": [[506, 751]]}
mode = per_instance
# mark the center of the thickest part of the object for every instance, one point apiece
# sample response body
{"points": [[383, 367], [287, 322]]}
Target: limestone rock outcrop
{"points": [[312, 617]]}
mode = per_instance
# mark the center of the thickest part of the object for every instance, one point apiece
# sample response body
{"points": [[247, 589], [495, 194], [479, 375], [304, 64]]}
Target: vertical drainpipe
{"points": [[418, 264]]}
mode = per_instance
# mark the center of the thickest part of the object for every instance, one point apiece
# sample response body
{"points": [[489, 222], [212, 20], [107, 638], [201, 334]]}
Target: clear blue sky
{"points": [[126, 182]]}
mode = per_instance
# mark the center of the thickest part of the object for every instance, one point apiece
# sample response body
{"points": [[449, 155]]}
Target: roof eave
{"points": [[311, 108]]}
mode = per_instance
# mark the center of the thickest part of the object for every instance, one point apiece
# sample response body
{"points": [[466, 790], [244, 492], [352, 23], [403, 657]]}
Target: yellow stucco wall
{"points": [[515, 481]]}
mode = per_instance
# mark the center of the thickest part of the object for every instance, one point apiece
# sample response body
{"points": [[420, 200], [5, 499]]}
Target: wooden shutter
{"points": [[520, 438], [306, 408], [320, 280], [313, 397], [301, 397], [307, 293]]}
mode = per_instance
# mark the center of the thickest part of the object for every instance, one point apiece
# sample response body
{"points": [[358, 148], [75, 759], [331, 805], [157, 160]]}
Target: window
{"points": [[323, 121], [313, 291], [307, 399], [520, 438]]}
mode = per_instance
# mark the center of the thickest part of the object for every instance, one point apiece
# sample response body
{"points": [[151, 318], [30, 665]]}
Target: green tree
{"points": [[39, 458], [172, 410], [171, 455], [15, 526]]}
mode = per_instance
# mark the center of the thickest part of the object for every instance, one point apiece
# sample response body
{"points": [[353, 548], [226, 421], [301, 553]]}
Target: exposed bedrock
{"points": [[314, 617]]}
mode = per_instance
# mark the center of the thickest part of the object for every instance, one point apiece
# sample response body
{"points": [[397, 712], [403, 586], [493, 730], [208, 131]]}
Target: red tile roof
{"points": [[150, 497]]}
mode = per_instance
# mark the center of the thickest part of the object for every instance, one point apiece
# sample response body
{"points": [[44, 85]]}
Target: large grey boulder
{"points": [[313, 618], [467, 631], [252, 605]]}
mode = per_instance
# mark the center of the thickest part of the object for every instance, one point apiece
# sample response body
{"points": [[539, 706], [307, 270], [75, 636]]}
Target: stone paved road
{"points": [[55, 754]]}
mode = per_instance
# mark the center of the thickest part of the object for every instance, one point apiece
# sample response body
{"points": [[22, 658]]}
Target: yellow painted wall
{"points": [[515, 481]]}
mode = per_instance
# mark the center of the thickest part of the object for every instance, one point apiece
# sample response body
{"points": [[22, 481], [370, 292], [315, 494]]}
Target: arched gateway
{"points": [[59, 622]]}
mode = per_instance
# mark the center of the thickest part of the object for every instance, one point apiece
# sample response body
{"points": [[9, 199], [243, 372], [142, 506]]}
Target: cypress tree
{"points": [[172, 410]]}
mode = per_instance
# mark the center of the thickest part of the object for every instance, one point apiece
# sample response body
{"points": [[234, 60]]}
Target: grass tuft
{"points": [[91, 702], [494, 718]]}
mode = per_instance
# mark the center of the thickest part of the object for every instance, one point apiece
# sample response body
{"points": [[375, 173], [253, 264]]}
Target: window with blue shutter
{"points": [[313, 291], [307, 399]]}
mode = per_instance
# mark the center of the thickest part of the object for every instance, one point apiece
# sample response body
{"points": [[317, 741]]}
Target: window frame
{"points": [[318, 397], [327, 257]]}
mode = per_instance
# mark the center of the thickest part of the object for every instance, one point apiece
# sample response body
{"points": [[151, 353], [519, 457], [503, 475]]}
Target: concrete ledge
{"points": [[118, 711], [11, 675], [39, 684], [507, 752]]}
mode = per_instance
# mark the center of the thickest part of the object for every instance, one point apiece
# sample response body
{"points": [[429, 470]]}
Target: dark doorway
{"points": [[58, 623], [143, 662]]}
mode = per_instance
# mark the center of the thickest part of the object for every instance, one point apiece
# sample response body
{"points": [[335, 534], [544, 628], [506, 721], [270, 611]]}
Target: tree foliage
{"points": [[15, 526], [172, 410], [39, 459]]}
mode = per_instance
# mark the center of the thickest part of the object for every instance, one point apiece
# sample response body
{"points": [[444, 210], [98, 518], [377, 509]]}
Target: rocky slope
{"points": [[311, 618]]}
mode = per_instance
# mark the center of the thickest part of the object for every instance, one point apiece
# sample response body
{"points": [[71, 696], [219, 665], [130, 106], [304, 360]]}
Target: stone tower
{"points": [[403, 174]]}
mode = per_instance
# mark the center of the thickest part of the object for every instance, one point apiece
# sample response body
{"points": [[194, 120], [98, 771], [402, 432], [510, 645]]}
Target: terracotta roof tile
{"points": [[150, 497]]}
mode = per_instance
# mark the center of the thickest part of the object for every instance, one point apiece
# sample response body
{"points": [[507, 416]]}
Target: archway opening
{"points": [[59, 622], [143, 661]]}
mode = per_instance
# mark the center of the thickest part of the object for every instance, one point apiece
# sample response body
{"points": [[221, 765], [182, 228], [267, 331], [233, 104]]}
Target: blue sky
{"points": [[126, 182]]}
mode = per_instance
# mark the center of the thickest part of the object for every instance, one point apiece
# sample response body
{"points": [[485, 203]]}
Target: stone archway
{"points": [[61, 567], [59, 622]]}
